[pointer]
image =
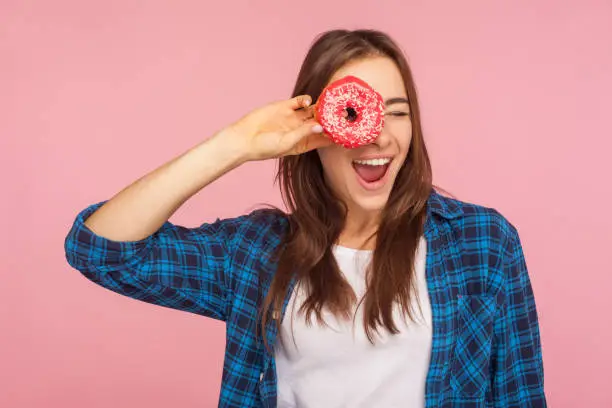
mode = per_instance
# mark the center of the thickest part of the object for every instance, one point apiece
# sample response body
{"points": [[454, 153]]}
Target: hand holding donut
{"points": [[349, 112], [279, 129]]}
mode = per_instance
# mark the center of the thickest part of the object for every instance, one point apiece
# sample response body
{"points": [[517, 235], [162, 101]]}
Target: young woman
{"points": [[372, 290]]}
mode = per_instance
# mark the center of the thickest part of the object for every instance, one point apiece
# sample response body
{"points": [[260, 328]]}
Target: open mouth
{"points": [[372, 170]]}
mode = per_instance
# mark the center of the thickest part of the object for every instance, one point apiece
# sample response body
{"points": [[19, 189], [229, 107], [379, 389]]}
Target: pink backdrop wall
{"points": [[516, 101]]}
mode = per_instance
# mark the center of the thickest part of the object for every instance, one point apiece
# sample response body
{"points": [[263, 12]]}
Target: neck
{"points": [[360, 230]]}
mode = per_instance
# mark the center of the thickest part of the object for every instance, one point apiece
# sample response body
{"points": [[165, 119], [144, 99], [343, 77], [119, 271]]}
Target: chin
{"points": [[371, 204]]}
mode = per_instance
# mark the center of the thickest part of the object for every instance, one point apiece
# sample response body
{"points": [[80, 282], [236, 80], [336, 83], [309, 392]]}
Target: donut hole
{"points": [[350, 114]]}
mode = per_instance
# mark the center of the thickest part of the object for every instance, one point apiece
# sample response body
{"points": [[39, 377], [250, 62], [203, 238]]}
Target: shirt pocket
{"points": [[472, 351]]}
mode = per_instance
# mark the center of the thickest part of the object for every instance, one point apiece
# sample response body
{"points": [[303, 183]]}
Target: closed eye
{"points": [[397, 113]]}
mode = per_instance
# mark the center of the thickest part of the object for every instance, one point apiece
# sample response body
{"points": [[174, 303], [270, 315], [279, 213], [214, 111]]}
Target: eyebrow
{"points": [[393, 101]]}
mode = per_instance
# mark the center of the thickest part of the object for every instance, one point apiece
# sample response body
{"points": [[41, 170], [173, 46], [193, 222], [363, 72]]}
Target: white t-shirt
{"points": [[336, 366]]}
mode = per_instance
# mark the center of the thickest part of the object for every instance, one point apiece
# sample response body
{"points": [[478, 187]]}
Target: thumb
{"points": [[307, 137], [309, 127]]}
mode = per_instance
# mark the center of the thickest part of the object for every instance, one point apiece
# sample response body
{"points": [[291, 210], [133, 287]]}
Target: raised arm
{"points": [[141, 208], [127, 245]]}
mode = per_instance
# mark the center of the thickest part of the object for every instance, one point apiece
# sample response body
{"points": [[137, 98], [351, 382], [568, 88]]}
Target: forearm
{"points": [[141, 208]]}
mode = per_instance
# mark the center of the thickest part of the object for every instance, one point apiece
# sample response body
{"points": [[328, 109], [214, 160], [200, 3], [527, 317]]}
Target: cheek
{"points": [[401, 132], [333, 160]]}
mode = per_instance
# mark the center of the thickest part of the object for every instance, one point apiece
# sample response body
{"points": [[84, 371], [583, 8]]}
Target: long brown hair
{"points": [[316, 217]]}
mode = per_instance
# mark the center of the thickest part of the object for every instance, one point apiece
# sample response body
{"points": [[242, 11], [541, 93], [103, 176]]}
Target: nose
{"points": [[383, 140]]}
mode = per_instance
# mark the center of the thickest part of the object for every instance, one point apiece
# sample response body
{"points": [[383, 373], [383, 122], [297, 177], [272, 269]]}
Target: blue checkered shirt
{"points": [[486, 348]]}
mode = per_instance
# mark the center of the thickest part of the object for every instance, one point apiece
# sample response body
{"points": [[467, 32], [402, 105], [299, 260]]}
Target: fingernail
{"points": [[317, 129], [307, 102]]}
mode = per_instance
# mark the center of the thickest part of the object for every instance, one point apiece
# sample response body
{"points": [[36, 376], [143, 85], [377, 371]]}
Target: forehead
{"points": [[380, 73]]}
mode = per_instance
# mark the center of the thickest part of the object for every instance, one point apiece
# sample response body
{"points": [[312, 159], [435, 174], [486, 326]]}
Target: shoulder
{"points": [[262, 228], [487, 245], [250, 242], [475, 221]]}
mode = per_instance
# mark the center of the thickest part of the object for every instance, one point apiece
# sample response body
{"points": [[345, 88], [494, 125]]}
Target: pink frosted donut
{"points": [[351, 112]]}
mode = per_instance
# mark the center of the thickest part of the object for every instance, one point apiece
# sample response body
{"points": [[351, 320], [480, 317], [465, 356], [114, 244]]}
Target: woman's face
{"points": [[363, 177]]}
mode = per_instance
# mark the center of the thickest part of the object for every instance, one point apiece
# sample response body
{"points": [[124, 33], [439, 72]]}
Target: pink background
{"points": [[516, 100]]}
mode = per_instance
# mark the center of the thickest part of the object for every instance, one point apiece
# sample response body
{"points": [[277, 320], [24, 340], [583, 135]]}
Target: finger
{"points": [[307, 128], [307, 137], [305, 114], [300, 101]]}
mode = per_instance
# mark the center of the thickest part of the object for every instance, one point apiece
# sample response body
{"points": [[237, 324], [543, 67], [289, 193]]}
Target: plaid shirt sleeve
{"points": [[176, 267], [517, 367]]}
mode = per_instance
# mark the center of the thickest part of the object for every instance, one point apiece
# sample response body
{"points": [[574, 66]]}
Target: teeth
{"points": [[374, 162]]}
